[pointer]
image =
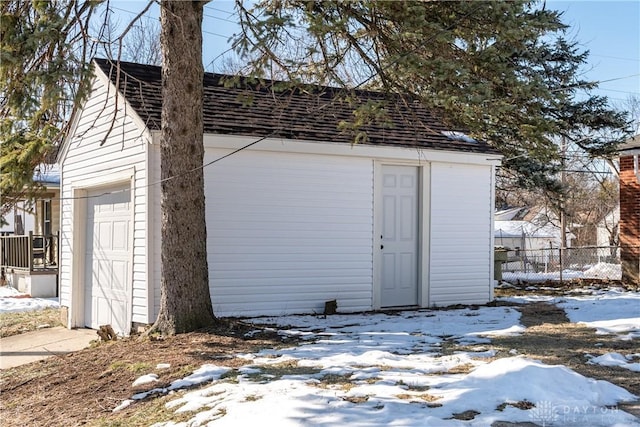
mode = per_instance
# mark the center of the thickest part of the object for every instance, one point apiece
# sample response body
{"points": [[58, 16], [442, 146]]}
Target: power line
{"points": [[616, 57], [215, 34], [244, 147], [133, 13], [597, 82], [620, 91], [220, 19], [618, 78], [221, 10]]}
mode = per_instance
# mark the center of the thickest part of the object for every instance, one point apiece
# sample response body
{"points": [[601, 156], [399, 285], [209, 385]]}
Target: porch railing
{"points": [[30, 252]]}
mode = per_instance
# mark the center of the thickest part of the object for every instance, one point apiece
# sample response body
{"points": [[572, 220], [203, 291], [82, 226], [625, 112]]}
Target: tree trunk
{"points": [[185, 301]]}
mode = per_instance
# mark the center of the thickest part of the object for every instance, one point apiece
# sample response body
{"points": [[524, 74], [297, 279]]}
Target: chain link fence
{"points": [[555, 264]]}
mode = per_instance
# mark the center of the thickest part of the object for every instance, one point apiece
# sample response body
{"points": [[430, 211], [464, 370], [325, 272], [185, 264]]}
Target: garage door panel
{"points": [[119, 315], [103, 311], [108, 259], [120, 235], [109, 312], [104, 237], [119, 273]]}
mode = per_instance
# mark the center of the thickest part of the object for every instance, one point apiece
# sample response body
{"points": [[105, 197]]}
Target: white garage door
{"points": [[108, 258]]}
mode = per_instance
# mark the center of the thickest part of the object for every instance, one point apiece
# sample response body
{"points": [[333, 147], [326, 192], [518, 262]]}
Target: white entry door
{"points": [[108, 259], [399, 236]]}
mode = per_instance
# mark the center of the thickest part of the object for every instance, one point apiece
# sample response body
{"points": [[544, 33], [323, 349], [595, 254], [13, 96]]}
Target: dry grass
{"points": [[276, 371], [26, 321], [82, 388], [426, 397]]}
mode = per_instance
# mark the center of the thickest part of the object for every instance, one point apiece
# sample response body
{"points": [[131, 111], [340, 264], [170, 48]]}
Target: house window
{"points": [[46, 217]]}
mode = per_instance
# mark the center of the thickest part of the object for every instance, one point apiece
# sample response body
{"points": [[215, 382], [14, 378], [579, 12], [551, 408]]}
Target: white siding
{"points": [[92, 155], [461, 238], [287, 232]]}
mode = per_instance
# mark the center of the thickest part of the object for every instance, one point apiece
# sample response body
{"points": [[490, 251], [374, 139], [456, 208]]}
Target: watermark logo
{"points": [[546, 414]]}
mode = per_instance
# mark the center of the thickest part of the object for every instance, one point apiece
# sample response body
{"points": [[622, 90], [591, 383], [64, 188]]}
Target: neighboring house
{"points": [[629, 153], [608, 235], [525, 228], [19, 219], [299, 218], [29, 240], [47, 206], [41, 216], [523, 235]]}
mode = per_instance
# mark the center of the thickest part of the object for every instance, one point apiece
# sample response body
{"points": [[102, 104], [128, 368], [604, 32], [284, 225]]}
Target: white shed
{"points": [[300, 217]]}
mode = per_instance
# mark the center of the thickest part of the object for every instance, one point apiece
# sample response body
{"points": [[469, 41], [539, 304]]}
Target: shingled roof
{"points": [[630, 146], [312, 114]]}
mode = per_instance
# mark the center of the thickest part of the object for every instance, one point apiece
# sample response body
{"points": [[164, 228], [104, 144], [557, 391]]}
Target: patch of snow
{"points": [[604, 270], [8, 291], [459, 136], [14, 304], [378, 369], [145, 379], [124, 404], [615, 359], [518, 276], [610, 312], [502, 381], [201, 375], [145, 394], [47, 174], [389, 361], [13, 301], [507, 332]]}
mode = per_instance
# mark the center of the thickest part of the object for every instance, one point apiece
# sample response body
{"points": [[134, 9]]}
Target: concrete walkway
{"points": [[32, 346]]}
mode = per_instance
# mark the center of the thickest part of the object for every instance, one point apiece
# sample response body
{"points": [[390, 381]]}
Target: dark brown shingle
{"points": [[312, 114]]}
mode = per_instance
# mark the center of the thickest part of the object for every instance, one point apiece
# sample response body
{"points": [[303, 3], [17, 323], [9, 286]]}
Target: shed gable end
{"points": [[105, 144]]}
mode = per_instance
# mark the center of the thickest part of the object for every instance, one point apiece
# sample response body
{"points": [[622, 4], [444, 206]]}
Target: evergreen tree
{"points": [[502, 71], [43, 55]]}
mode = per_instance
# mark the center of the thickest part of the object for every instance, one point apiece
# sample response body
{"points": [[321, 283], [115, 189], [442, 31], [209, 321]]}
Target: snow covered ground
{"points": [[12, 300], [389, 369], [610, 311]]}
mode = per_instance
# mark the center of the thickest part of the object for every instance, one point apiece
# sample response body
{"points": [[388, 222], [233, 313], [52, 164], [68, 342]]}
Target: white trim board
{"points": [[415, 154]]}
